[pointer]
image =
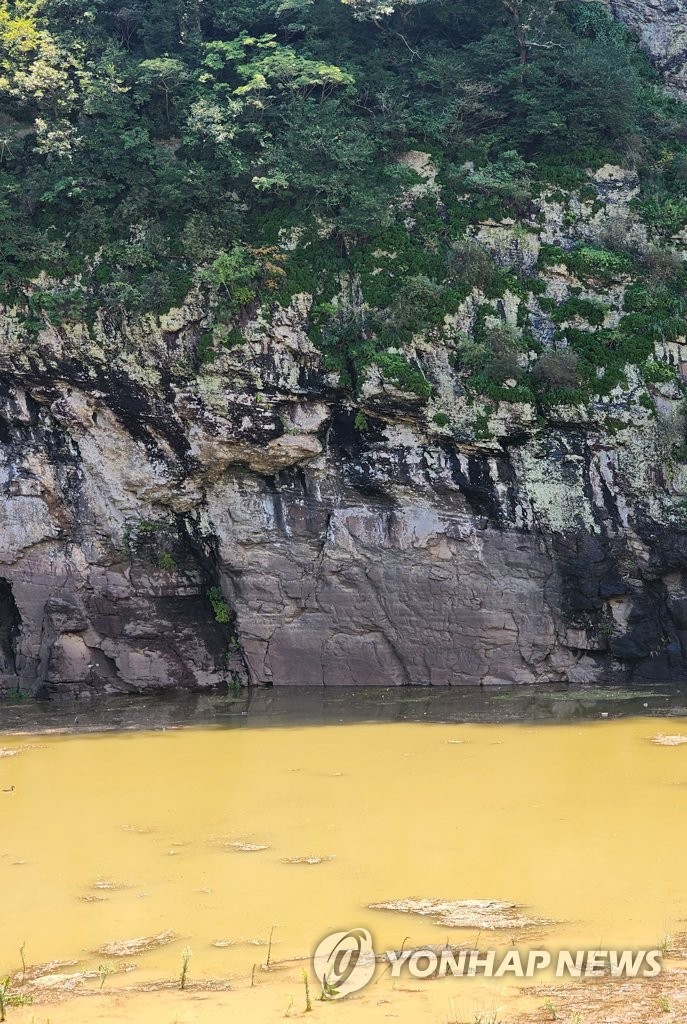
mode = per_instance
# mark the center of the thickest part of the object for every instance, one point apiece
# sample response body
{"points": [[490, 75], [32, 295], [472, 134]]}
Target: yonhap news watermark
{"points": [[345, 962]]}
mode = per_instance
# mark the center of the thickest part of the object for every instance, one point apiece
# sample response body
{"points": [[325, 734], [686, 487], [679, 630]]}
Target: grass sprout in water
{"points": [[185, 958]]}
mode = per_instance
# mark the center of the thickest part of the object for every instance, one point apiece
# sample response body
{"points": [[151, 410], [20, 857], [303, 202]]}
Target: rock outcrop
{"points": [[662, 27], [388, 556], [170, 524], [167, 523]]}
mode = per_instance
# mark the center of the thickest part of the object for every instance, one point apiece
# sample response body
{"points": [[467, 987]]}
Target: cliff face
{"points": [[166, 523], [169, 522], [662, 27]]}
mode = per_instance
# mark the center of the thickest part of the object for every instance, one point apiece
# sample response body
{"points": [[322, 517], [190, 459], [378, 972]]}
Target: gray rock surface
{"points": [[402, 553], [662, 27]]}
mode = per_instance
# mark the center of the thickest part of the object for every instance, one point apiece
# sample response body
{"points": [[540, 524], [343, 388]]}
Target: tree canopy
{"points": [[141, 142]]}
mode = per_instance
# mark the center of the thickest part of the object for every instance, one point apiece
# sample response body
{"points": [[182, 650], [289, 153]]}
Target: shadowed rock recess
{"points": [[172, 522]]}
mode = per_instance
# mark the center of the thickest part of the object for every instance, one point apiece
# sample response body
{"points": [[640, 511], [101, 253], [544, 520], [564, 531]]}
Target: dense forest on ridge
{"points": [[255, 146]]}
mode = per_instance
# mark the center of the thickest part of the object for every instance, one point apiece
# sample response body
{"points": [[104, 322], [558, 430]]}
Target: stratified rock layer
{"points": [[138, 494]]}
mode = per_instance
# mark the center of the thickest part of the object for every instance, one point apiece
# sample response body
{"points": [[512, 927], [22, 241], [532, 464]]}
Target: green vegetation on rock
{"points": [[348, 149]]}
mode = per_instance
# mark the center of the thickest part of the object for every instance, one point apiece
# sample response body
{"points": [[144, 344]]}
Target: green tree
{"points": [[530, 20], [165, 74], [375, 9]]}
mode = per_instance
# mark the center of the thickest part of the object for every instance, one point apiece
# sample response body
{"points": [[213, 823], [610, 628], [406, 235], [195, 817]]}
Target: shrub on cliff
{"points": [[472, 265], [495, 357], [556, 369], [399, 372]]}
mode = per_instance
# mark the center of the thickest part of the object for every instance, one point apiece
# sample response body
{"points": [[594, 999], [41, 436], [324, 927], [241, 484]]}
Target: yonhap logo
{"points": [[344, 962]]}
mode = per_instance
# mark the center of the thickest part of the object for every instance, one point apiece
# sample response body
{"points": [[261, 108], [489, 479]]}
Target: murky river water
{"points": [[214, 838]]}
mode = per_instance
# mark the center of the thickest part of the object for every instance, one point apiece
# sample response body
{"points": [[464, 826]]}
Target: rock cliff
{"points": [[173, 522], [662, 27], [166, 524]]}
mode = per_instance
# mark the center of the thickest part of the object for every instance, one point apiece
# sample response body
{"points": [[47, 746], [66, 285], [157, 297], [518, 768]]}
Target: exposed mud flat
{"points": [[661, 740], [279, 994], [130, 947], [611, 1001], [228, 943], [249, 847], [311, 858], [480, 914]]}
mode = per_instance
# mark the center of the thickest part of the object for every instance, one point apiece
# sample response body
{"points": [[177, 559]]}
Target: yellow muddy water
{"points": [[222, 836]]}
